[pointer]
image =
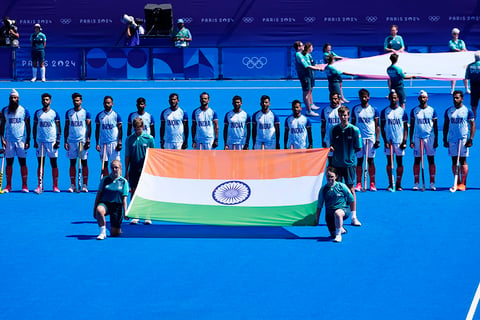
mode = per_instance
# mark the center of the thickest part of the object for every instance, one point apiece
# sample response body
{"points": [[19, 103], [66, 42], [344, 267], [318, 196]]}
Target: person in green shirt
{"points": [[111, 200], [336, 196]]}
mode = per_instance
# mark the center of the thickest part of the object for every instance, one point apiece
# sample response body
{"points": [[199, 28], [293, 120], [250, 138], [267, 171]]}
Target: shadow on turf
{"points": [[207, 231]]}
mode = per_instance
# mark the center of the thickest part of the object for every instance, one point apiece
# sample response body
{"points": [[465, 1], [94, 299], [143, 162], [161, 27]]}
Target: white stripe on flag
{"points": [[263, 193]]}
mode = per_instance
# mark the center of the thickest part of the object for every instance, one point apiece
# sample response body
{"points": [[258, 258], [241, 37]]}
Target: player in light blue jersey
{"points": [[459, 128], [204, 125], [108, 134], [265, 127], [174, 126], [77, 133], [395, 79], [457, 45], [298, 129], [237, 126], [472, 73], [394, 128], [394, 42], [424, 130], [46, 137], [366, 118], [148, 120], [329, 118], [15, 136]]}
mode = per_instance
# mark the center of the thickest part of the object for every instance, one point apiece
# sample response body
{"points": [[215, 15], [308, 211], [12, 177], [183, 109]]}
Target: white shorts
{"points": [[266, 146], [236, 146], [396, 150], [427, 146], [453, 149], [112, 154], [72, 152], [173, 145], [371, 149], [204, 145], [15, 148], [48, 150]]}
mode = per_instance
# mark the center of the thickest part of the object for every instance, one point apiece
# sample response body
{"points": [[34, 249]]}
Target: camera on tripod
{"points": [[9, 33]]}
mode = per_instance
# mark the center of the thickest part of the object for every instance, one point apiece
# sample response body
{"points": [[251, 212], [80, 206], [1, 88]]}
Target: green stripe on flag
{"points": [[298, 215]]}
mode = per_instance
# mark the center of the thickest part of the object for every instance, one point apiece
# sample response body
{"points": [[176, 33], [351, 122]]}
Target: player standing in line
{"points": [[77, 132], [148, 120], [337, 197], [394, 127], [15, 136], [345, 141], [204, 125], [46, 139], [395, 80], [265, 127], [423, 126], [174, 126], [108, 134], [237, 126], [329, 118], [298, 129], [135, 153], [459, 127], [365, 118], [111, 200], [472, 73]]}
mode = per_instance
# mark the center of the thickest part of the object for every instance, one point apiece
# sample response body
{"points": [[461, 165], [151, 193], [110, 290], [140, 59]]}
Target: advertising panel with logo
{"points": [[255, 63], [117, 63]]}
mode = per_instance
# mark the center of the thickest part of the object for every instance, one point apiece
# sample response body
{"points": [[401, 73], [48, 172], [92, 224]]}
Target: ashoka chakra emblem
{"points": [[231, 192]]}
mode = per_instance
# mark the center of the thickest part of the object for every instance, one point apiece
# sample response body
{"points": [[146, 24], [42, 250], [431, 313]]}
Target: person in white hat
{"points": [[15, 136], [457, 45], [423, 138], [39, 42], [181, 36]]}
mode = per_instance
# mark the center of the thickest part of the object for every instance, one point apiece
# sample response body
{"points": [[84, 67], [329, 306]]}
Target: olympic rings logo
{"points": [[434, 18], [309, 19], [65, 21], [188, 20], [371, 19], [255, 62], [248, 19]]}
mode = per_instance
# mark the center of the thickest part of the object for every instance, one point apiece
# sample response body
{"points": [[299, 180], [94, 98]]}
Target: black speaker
{"points": [[158, 19]]}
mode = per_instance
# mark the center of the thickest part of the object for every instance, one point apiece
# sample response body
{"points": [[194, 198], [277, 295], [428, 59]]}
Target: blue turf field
{"points": [[414, 257]]}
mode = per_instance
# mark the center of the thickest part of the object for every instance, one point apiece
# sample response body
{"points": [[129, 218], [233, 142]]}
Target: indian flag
{"points": [[230, 187]]}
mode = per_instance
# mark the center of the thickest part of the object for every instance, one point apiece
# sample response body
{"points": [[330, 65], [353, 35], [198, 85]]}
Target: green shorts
{"points": [[115, 210]]}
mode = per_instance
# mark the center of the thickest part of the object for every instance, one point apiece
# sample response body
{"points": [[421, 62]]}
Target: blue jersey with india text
{"points": [[364, 118], [423, 121], [46, 125], [237, 127], [331, 118], [265, 126], [146, 117], [15, 129], [458, 119], [173, 121], [77, 127], [297, 131], [108, 122]]}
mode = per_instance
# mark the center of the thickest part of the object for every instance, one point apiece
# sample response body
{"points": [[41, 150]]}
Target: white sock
{"points": [[34, 72], [338, 231], [103, 230], [354, 215], [42, 72]]}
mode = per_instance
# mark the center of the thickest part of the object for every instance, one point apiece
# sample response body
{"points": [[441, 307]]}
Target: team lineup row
{"points": [[263, 128]]}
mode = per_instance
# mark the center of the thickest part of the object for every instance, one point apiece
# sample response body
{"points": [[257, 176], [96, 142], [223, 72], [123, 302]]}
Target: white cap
{"points": [[14, 93], [455, 30], [423, 93], [37, 25], [180, 21]]}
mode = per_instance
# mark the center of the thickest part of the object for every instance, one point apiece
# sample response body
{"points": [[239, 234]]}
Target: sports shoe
{"points": [[358, 187], [432, 186], [461, 187], [25, 189], [356, 222], [72, 188], [314, 107], [38, 190], [102, 236], [43, 79], [338, 238], [312, 114], [390, 188], [398, 187], [7, 189], [84, 188], [344, 231], [415, 187], [56, 190], [134, 221], [372, 187], [148, 221], [34, 79]]}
